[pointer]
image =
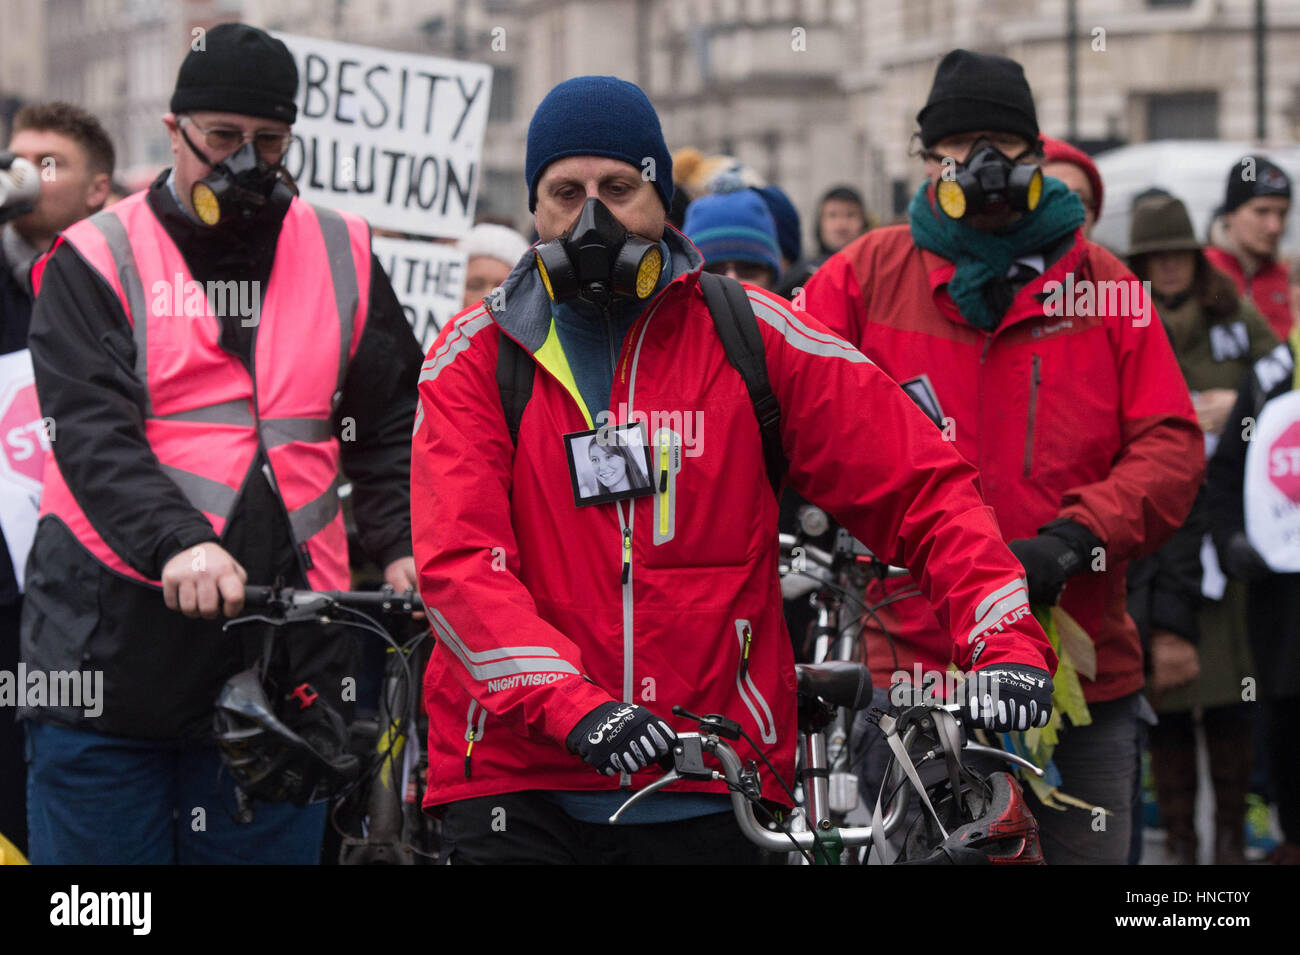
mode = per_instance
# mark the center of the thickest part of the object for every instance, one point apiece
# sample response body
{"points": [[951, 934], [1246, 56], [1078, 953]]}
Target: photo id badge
{"points": [[609, 463]]}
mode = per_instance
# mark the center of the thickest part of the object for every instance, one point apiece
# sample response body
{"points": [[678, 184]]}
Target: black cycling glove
{"points": [[1061, 550], [620, 738], [1007, 696], [1241, 561]]}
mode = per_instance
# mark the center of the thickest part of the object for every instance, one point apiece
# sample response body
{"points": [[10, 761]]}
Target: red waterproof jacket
{"points": [[1268, 288], [544, 610], [1073, 415]]}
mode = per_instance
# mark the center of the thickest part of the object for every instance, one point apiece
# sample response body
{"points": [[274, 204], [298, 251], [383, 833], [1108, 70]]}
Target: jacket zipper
{"points": [[609, 346], [747, 637], [625, 526], [627, 555], [473, 732], [625, 579], [300, 550], [749, 693], [1034, 381]]}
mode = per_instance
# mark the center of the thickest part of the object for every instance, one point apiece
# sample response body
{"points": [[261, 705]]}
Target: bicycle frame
{"points": [[844, 570]]}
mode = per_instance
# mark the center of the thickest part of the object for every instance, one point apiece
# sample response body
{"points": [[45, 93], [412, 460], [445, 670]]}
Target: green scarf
{"points": [[981, 257]]}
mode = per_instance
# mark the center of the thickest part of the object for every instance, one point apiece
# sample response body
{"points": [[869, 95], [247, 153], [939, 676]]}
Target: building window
{"points": [[501, 108], [1183, 116], [499, 193]]}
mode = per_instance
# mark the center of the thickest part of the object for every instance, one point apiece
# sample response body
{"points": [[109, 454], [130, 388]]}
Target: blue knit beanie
{"points": [[733, 227], [786, 217], [597, 116]]}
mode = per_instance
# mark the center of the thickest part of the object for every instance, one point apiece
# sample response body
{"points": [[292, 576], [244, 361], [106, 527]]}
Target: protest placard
{"points": [[394, 137]]}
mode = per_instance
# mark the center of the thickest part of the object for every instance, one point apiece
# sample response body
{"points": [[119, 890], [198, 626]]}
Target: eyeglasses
{"points": [[751, 272], [270, 145]]}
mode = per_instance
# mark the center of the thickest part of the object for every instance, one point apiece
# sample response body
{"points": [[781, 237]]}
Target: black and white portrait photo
{"points": [[609, 464]]}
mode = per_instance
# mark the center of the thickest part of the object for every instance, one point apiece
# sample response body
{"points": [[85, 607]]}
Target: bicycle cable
{"points": [[868, 609], [817, 839], [369, 624], [392, 731], [758, 804]]}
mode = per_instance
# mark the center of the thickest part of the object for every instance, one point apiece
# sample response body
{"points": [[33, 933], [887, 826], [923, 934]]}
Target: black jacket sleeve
{"points": [[1227, 469], [375, 419], [1175, 595], [84, 359]]}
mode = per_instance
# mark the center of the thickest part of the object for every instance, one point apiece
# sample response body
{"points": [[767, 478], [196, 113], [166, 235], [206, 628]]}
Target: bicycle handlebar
{"points": [[288, 599], [823, 560], [688, 763]]}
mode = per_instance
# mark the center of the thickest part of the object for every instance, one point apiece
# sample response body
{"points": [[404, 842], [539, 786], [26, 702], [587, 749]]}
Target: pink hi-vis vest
{"points": [[204, 416]]}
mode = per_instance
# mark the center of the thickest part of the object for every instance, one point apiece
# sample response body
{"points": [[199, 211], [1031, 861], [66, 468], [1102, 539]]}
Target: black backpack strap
{"points": [[515, 379], [733, 317]]}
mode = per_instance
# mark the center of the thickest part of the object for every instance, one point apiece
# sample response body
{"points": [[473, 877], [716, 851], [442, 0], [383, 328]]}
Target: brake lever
{"points": [[687, 762], [667, 779], [1013, 758], [251, 618], [291, 615]]}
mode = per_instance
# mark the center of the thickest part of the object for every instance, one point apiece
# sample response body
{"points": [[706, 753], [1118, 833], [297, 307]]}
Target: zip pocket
{"points": [[749, 694], [666, 454], [1035, 380], [473, 731]]}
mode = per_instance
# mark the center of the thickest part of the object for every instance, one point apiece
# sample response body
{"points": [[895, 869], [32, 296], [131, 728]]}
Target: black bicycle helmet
{"points": [[272, 761]]}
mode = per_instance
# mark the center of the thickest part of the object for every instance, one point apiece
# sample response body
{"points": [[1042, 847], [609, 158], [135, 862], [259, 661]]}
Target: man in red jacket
{"points": [[575, 601], [1246, 237], [1075, 168], [1040, 360]]}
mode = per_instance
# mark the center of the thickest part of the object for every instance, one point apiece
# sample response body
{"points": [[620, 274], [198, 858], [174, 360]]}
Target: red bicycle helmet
{"points": [[1001, 830]]}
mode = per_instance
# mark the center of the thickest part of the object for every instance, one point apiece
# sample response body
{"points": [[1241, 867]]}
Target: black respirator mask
{"points": [[240, 187], [597, 259], [988, 181]]}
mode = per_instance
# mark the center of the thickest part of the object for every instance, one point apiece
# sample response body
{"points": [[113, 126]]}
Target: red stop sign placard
{"points": [[23, 440], [1284, 462]]}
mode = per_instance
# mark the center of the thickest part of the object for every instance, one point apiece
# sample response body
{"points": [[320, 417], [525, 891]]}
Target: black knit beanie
{"points": [[974, 91], [1253, 176], [238, 69]]}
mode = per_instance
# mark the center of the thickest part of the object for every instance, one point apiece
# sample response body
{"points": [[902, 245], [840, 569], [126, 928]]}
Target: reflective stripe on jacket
{"points": [[206, 416]]}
